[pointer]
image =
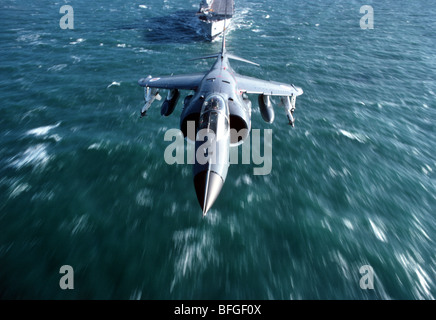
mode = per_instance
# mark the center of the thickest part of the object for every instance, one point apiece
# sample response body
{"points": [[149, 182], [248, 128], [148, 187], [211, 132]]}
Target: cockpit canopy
{"points": [[213, 116], [214, 102]]}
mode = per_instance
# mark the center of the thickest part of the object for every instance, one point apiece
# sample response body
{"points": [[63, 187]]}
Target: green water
{"points": [[83, 181]]}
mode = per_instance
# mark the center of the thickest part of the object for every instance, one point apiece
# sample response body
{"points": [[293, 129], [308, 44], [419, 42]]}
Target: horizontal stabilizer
{"points": [[216, 55], [231, 56]]}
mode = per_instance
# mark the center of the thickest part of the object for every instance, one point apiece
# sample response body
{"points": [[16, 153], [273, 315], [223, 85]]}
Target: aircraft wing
{"points": [[182, 82], [269, 88]]}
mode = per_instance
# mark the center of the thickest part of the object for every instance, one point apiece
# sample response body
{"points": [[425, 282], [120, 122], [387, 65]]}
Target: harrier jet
{"points": [[219, 103]]}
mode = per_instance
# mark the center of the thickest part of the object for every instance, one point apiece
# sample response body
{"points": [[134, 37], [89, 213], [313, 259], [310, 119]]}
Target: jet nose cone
{"points": [[208, 185]]}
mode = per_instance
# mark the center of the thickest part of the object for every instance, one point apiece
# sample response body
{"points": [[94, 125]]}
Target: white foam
{"points": [[36, 156], [80, 224], [144, 198], [57, 67], [142, 50], [246, 179], [80, 40], [43, 195], [55, 137], [41, 131], [416, 274], [28, 37], [95, 146], [378, 231], [243, 179], [114, 83], [19, 188], [33, 38], [136, 294], [145, 175], [76, 59], [194, 250], [348, 224], [353, 136]]}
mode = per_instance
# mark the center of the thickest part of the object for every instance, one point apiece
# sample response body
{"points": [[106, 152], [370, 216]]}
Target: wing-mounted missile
{"points": [[266, 108], [289, 104], [150, 94], [170, 102]]}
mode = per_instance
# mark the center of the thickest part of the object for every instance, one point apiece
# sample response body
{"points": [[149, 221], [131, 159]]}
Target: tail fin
{"points": [[223, 48]]}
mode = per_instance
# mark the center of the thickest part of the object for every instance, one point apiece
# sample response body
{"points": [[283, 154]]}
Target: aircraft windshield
{"points": [[213, 116], [214, 102]]}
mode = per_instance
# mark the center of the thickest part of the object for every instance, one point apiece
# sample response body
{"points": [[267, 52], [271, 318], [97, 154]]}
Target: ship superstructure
{"points": [[215, 15]]}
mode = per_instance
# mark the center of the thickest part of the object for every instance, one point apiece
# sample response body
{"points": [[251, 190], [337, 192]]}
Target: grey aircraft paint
{"points": [[219, 103]]}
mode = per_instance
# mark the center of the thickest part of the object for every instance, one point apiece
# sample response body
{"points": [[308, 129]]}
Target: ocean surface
{"points": [[83, 181]]}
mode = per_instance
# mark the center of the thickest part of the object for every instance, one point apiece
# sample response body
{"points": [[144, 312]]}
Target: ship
{"points": [[215, 15]]}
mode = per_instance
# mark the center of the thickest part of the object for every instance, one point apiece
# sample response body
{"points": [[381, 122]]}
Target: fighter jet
{"points": [[217, 104]]}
